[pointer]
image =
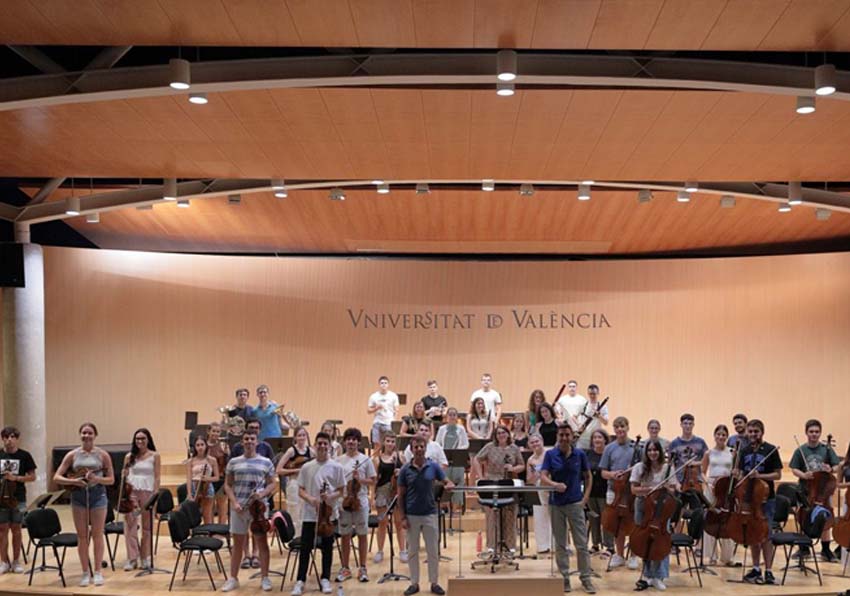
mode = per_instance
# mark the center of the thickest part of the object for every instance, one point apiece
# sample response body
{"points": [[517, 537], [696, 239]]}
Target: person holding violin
{"points": [[566, 469], [17, 467], [141, 472], [359, 476], [249, 480], [616, 460], [762, 459], [87, 471], [387, 465], [808, 459], [717, 463], [649, 474], [289, 467], [219, 448], [201, 472], [321, 480]]}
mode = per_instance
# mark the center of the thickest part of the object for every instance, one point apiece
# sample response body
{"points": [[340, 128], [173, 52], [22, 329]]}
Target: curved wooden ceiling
{"points": [[555, 24]]}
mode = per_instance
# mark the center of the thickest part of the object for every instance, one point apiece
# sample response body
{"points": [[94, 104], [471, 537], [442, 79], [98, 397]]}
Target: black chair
{"points": [[804, 543], [182, 493], [686, 542], [112, 528], [198, 528], [184, 542], [164, 506], [46, 532]]}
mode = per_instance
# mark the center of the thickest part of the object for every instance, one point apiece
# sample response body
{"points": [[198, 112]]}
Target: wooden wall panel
{"points": [[136, 339]]}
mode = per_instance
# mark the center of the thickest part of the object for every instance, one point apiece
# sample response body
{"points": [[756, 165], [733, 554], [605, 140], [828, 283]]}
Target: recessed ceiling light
{"points": [[198, 98], [691, 186], [504, 89], [583, 192], [488, 185], [383, 188], [683, 197]]}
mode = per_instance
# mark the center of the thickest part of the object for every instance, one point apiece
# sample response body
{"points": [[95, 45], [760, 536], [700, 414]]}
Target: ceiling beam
{"points": [[46, 190]]}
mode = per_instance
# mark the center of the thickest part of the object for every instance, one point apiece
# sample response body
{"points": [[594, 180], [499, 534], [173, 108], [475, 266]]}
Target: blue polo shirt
{"points": [[419, 482], [569, 470]]}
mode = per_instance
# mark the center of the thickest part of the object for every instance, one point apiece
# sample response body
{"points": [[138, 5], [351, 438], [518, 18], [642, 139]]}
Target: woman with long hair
{"points": [[141, 473], [330, 429], [387, 465], [202, 468], [501, 459], [452, 435], [410, 424], [717, 463], [218, 448], [519, 430], [596, 501], [289, 467], [547, 425], [536, 398], [479, 424], [542, 521]]}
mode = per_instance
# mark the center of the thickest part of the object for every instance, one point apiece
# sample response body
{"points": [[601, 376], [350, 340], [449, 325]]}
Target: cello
{"points": [[618, 518], [747, 524], [717, 515], [841, 528], [820, 487]]}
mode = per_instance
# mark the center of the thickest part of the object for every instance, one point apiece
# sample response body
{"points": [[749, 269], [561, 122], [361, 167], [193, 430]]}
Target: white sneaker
{"points": [[403, 556], [18, 568], [98, 579], [85, 580], [231, 584], [379, 556], [326, 586], [298, 588], [146, 563], [617, 561], [130, 564], [4, 567], [266, 584], [657, 584], [633, 562]]}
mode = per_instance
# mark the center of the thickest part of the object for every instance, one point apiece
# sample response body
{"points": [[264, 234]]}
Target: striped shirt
{"points": [[250, 475]]}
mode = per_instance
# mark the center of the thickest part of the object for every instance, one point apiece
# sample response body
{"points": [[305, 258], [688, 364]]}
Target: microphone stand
{"points": [[391, 574]]}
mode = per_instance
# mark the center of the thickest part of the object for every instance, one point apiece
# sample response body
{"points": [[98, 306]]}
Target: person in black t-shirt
{"points": [[16, 465], [764, 458], [435, 404]]}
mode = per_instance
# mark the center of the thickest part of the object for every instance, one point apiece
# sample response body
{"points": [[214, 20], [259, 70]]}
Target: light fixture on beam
{"points": [[691, 186], [169, 189], [825, 79], [184, 203], [504, 89], [583, 192], [805, 104], [588, 181], [784, 207], [488, 185], [822, 214], [234, 199], [683, 197], [93, 217], [198, 98], [279, 188], [727, 201], [72, 206], [422, 188], [506, 65], [383, 188], [795, 193], [526, 190], [180, 74], [644, 195], [336, 194]]}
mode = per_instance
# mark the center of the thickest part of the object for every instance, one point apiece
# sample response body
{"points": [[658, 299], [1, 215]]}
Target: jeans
{"points": [[308, 540], [657, 569], [600, 536], [427, 525], [574, 514]]}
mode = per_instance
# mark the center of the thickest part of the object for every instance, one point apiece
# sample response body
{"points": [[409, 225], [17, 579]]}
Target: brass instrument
{"points": [[233, 425]]}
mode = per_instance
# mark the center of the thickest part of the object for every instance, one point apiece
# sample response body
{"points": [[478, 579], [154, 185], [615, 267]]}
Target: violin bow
{"points": [[756, 467], [670, 474]]}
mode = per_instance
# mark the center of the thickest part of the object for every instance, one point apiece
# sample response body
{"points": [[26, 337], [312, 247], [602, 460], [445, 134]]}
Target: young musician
{"points": [[272, 424], [536, 398], [687, 446], [218, 448], [453, 436], [492, 398], [717, 463], [519, 431], [435, 404], [547, 425], [647, 475], [330, 429], [479, 424], [653, 428], [142, 475], [202, 468], [241, 408], [383, 404], [411, 423], [596, 501], [739, 421], [814, 456], [616, 459], [594, 415], [542, 522], [18, 466], [321, 479], [387, 465], [91, 472], [252, 425], [248, 478], [433, 451], [569, 406], [565, 469], [419, 513], [501, 459], [289, 467], [764, 459], [359, 467]]}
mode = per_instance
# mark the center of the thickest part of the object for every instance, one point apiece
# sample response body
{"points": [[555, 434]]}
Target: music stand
{"points": [[402, 442], [476, 445], [388, 515], [528, 500], [150, 505], [402, 399]]}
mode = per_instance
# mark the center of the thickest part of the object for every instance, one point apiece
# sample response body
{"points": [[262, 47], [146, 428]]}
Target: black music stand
{"points": [[476, 445], [150, 506], [402, 442], [388, 515], [402, 399], [528, 500], [458, 458]]}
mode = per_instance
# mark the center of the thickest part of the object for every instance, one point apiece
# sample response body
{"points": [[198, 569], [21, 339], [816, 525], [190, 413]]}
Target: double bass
{"points": [[618, 518], [747, 524], [841, 528]]}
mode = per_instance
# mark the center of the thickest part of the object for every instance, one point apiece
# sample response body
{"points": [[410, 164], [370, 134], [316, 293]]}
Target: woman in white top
{"points": [[142, 476], [717, 463], [479, 424], [202, 469], [542, 522]]}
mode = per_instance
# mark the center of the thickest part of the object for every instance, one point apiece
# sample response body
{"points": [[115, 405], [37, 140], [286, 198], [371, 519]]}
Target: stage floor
{"points": [[619, 581]]}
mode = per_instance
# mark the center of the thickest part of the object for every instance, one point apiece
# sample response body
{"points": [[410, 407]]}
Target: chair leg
{"points": [[699, 577], [688, 560], [220, 565], [109, 550], [817, 567], [32, 568], [788, 555], [59, 564], [156, 538], [174, 573], [207, 565], [187, 563]]}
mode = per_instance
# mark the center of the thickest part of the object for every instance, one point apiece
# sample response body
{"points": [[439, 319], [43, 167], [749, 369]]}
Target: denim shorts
{"points": [[13, 516], [96, 497]]}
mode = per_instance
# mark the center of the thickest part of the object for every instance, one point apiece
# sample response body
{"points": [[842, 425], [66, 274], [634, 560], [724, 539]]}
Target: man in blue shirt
{"points": [[564, 469], [419, 513]]}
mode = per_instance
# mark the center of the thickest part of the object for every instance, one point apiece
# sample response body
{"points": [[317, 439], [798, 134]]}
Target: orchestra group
{"points": [[601, 492]]}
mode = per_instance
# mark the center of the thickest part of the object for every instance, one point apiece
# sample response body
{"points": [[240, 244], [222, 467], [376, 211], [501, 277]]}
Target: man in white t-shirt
{"points": [[594, 415], [569, 406], [357, 465], [383, 404], [433, 451], [492, 398]]}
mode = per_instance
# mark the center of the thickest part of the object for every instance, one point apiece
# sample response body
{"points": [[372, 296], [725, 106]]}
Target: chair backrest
{"points": [[43, 523], [178, 527], [110, 515], [696, 524], [792, 492], [781, 512], [813, 520], [192, 511], [182, 492], [284, 526], [165, 502]]}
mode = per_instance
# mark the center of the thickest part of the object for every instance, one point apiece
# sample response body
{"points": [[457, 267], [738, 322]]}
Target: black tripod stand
{"points": [[388, 515], [150, 506], [696, 529]]}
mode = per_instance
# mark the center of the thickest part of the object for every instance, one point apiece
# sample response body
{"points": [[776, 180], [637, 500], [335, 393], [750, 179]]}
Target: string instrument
{"points": [[296, 462], [7, 492], [125, 490], [203, 487], [80, 474], [351, 501], [747, 524], [324, 526], [259, 522], [589, 418], [841, 528], [717, 516], [618, 518], [690, 475], [820, 487]]}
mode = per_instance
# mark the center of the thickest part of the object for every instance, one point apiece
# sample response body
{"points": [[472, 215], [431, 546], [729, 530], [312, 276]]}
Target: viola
{"points": [[618, 518], [351, 501], [652, 539], [203, 487], [841, 528], [125, 491], [324, 525], [717, 516], [747, 524]]}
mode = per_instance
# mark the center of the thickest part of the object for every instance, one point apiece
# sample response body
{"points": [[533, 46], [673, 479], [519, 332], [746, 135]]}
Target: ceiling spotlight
{"points": [[506, 65], [72, 206], [179, 74], [488, 185], [683, 197], [93, 217], [784, 207], [691, 186], [234, 199], [169, 189], [727, 201], [583, 192], [526, 190], [504, 89], [281, 193], [825, 79], [795, 193], [644, 195], [422, 188], [184, 203], [336, 194], [588, 181], [383, 188], [823, 214], [198, 98], [805, 105]]}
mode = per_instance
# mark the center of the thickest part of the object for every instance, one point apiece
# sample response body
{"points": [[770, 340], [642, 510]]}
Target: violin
{"points": [[7, 493], [351, 501], [324, 525], [618, 518], [259, 522], [203, 487], [125, 490], [652, 539], [296, 462], [841, 528], [717, 516], [747, 524]]}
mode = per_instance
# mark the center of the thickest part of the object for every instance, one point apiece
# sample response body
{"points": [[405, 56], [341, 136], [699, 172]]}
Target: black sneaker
{"points": [[753, 577], [411, 590], [768, 578], [827, 556], [567, 586]]}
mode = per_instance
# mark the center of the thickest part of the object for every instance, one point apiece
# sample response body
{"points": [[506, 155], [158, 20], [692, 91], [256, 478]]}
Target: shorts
{"points": [[240, 522], [356, 522], [96, 497], [377, 430], [384, 494], [13, 516], [210, 489]]}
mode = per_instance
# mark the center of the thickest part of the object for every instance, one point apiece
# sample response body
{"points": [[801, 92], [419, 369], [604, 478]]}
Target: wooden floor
{"points": [[620, 581]]}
